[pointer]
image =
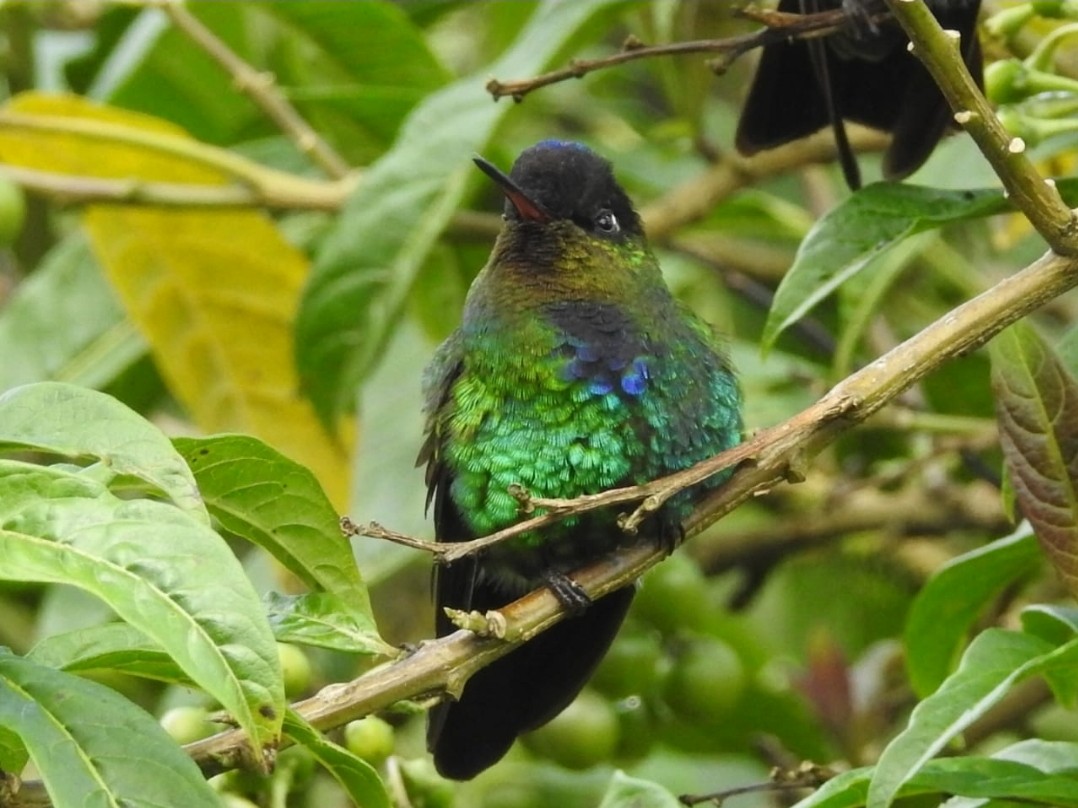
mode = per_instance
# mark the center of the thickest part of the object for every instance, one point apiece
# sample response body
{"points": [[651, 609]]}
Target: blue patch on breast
{"points": [[605, 374], [635, 380]]}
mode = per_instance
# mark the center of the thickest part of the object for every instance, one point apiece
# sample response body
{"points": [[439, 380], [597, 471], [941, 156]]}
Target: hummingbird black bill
{"points": [[525, 207]]}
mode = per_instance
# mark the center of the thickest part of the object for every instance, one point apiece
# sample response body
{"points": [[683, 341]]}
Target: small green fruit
{"points": [[369, 738], [631, 666], [673, 596], [706, 682], [188, 724], [295, 669], [583, 735]]}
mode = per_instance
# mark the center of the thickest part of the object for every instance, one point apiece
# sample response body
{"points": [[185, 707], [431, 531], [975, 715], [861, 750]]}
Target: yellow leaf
{"points": [[213, 291]]}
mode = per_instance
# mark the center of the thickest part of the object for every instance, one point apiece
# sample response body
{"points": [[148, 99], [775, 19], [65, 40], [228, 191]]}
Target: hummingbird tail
{"points": [[522, 690]]}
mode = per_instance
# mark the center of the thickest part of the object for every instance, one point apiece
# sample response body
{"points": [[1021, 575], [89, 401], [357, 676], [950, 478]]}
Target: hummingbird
{"points": [[574, 370], [863, 73]]}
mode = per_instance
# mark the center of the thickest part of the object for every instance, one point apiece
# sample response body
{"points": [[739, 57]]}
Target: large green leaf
{"points": [[356, 776], [946, 608], [108, 647], [80, 423], [91, 746], [356, 69], [850, 236], [983, 778], [1037, 408], [256, 492], [162, 571], [64, 323], [994, 662], [361, 278], [320, 618]]}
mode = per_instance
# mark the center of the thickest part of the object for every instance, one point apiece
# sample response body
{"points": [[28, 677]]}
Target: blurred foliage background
{"points": [[305, 313]]}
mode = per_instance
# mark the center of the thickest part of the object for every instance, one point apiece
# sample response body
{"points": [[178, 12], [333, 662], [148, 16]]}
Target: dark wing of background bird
{"points": [[864, 76]]}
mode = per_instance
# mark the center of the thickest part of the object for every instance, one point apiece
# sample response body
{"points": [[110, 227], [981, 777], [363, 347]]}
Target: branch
{"points": [[807, 775], [73, 189], [781, 27], [696, 198], [781, 453], [1035, 195], [263, 181], [260, 88]]}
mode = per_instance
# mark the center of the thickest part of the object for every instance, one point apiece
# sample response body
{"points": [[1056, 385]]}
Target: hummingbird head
{"points": [[558, 182]]}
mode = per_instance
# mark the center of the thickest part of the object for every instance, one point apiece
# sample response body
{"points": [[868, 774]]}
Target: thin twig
{"points": [[780, 27], [559, 509], [807, 775], [1036, 196], [261, 88]]}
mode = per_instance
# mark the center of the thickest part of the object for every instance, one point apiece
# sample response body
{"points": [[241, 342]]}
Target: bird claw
{"points": [[569, 593]]}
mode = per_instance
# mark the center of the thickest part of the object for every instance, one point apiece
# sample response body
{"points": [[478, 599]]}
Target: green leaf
{"points": [[985, 778], [848, 237], [1037, 409], [356, 776], [631, 792], [355, 69], [994, 662], [862, 297], [13, 754], [256, 492], [63, 323], [372, 43], [91, 745], [321, 619], [165, 573], [946, 608], [1048, 756], [361, 279], [109, 647], [1057, 625], [78, 423], [169, 75]]}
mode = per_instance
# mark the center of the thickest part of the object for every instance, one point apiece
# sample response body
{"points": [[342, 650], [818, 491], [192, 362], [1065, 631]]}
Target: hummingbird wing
{"points": [[785, 101], [452, 585]]}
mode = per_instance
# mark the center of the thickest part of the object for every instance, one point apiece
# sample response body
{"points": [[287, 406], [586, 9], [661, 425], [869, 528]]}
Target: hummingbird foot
{"points": [[671, 535], [569, 593]]}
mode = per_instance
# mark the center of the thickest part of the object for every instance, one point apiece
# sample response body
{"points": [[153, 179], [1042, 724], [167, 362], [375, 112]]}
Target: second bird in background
{"points": [[865, 74]]}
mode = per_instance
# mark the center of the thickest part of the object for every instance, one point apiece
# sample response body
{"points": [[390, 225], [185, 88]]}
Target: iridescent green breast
{"points": [[579, 401]]}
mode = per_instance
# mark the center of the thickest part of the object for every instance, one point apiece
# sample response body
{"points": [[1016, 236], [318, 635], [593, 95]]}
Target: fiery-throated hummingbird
{"points": [[864, 73], [574, 370]]}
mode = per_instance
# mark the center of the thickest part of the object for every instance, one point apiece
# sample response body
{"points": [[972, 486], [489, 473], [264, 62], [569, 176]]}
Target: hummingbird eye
{"points": [[606, 222]]}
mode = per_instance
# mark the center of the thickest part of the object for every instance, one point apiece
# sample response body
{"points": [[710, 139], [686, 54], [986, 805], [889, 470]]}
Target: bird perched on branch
{"points": [[864, 73], [574, 371]]}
